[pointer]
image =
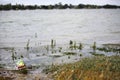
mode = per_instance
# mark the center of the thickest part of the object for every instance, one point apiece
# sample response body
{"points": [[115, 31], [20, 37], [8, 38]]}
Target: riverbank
{"points": [[17, 75], [92, 68], [56, 6], [64, 62]]}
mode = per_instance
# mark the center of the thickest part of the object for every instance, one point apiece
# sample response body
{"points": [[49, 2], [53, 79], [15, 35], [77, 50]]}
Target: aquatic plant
{"points": [[13, 55], [103, 49], [80, 46], [71, 44], [94, 47], [96, 54], [75, 45], [69, 53], [80, 54], [109, 49], [55, 55], [37, 55], [27, 47], [22, 56], [60, 49], [52, 43]]}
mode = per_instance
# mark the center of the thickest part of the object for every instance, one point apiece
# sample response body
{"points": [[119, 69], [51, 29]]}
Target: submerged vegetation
{"points": [[96, 54], [94, 68], [69, 53], [108, 49], [73, 48], [98, 66], [56, 6]]}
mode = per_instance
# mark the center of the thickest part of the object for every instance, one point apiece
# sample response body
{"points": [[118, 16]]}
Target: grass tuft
{"points": [[94, 68]]}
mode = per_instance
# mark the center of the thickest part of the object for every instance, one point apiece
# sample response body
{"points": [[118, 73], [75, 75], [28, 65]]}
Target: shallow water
{"points": [[40, 26]]}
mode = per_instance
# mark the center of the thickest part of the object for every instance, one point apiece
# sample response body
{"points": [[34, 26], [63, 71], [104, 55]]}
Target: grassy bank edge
{"points": [[91, 68]]}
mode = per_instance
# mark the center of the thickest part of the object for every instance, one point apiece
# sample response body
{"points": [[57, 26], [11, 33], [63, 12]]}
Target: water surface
{"points": [[40, 26]]}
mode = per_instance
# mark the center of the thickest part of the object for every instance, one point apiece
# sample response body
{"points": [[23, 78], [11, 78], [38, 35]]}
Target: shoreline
{"points": [[56, 72]]}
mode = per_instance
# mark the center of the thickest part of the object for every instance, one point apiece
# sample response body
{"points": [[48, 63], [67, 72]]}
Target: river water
{"points": [[40, 26]]}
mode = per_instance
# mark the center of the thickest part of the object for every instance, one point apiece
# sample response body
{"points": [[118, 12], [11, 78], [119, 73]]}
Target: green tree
{"points": [[50, 6], [7, 7], [80, 6]]}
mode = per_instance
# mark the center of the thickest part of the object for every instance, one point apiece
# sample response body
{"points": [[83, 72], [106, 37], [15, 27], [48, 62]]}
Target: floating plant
{"points": [[115, 48], [69, 53], [80, 54], [80, 46], [96, 54], [60, 49], [21, 56]]}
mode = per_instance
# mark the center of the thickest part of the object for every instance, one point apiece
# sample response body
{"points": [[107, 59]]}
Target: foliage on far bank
{"points": [[56, 6], [94, 68]]}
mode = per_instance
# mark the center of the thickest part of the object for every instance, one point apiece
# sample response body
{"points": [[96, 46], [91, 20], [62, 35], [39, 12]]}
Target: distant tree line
{"points": [[56, 6]]}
